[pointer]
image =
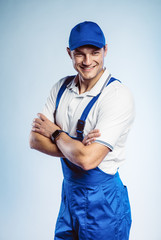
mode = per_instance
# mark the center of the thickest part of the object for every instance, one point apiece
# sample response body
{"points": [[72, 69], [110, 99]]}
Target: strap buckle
{"points": [[80, 125], [80, 129]]}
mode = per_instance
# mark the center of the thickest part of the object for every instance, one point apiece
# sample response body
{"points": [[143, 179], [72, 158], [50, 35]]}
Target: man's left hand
{"points": [[44, 126]]}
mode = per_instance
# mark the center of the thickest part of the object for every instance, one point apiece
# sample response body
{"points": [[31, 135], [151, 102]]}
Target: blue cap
{"points": [[86, 33]]}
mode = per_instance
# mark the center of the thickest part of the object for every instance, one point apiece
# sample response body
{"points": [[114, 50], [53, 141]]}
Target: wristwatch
{"points": [[55, 135]]}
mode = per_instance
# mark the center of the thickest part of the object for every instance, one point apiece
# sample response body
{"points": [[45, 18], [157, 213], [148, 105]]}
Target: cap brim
{"points": [[83, 43]]}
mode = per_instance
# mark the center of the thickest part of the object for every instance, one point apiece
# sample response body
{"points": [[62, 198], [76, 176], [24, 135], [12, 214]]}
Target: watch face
{"points": [[55, 135]]}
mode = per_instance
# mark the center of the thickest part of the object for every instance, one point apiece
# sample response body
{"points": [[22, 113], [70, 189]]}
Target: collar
{"points": [[97, 88]]}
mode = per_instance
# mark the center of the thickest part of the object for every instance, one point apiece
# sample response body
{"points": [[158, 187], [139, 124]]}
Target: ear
{"points": [[105, 50], [69, 52]]}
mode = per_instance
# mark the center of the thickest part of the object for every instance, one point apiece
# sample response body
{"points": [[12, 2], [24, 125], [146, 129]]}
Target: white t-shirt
{"points": [[113, 114]]}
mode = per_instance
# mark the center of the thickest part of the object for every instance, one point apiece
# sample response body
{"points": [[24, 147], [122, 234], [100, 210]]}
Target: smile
{"points": [[88, 68]]}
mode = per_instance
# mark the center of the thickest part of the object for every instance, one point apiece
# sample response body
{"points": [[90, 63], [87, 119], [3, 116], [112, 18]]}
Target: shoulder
{"points": [[117, 97], [59, 83], [56, 87], [117, 91], [69, 79]]}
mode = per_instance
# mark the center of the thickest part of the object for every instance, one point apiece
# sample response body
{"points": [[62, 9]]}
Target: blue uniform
{"points": [[95, 205]]}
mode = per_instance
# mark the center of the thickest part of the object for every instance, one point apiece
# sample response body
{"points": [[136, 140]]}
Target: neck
{"points": [[86, 85]]}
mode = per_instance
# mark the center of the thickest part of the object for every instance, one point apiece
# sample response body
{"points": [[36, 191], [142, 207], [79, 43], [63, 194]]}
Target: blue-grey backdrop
{"points": [[33, 39]]}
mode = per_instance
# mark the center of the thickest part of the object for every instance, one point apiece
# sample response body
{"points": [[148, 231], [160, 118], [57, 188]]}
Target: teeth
{"points": [[88, 68]]}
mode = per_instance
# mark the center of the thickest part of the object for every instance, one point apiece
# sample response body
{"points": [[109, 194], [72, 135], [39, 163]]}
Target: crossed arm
{"points": [[87, 154]]}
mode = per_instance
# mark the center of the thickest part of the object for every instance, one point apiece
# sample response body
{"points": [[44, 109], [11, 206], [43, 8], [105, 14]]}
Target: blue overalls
{"points": [[95, 205]]}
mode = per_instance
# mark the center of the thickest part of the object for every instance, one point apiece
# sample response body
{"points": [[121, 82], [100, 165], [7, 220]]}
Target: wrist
{"points": [[56, 135]]}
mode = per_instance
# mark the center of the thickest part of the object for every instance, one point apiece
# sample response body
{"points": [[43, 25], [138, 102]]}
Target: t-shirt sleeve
{"points": [[115, 116], [49, 108]]}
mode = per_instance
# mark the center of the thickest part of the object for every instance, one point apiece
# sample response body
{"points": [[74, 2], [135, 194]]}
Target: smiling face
{"points": [[88, 61]]}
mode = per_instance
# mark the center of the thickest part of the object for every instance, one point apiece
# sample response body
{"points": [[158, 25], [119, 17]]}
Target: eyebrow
{"points": [[77, 50]]}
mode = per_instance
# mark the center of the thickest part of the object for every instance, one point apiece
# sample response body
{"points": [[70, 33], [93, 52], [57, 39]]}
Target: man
{"points": [[94, 203]]}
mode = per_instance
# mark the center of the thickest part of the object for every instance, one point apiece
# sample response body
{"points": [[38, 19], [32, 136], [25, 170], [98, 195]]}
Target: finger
{"points": [[94, 131], [88, 144], [37, 129], [85, 138], [40, 131], [37, 120], [42, 116], [89, 141], [36, 125], [94, 135], [34, 129]]}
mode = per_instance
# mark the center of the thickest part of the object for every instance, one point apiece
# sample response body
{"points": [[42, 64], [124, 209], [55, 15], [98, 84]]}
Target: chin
{"points": [[88, 77]]}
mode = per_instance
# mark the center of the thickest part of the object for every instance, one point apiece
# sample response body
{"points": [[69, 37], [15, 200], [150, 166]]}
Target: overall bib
{"points": [[95, 205]]}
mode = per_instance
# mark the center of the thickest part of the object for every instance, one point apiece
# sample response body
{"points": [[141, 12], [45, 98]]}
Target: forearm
{"points": [[87, 157], [44, 145]]}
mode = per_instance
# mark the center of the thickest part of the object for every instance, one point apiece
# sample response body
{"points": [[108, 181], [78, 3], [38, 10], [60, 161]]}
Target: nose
{"points": [[87, 60]]}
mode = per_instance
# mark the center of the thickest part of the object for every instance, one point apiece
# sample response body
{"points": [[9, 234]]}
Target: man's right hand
{"points": [[44, 126]]}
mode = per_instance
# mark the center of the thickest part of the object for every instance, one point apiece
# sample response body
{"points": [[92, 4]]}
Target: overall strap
{"points": [[81, 121], [61, 91]]}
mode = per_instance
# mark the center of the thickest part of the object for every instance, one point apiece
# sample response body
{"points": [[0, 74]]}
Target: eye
{"points": [[96, 53], [78, 54]]}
